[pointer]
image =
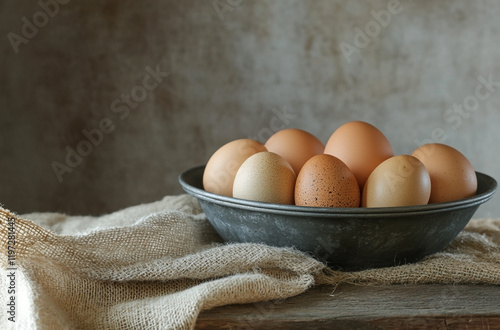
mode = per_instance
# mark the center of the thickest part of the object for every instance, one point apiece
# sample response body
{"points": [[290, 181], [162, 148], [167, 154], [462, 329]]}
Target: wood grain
{"points": [[358, 307]]}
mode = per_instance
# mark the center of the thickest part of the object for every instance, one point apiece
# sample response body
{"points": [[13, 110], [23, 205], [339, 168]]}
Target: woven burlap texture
{"points": [[156, 266]]}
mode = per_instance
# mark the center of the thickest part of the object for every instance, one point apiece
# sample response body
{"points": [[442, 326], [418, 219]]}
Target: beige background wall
{"points": [[228, 75]]}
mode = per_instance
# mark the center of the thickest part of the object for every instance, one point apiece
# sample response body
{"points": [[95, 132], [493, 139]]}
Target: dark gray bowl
{"points": [[344, 238]]}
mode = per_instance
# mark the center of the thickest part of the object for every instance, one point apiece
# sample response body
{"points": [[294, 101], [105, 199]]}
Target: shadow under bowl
{"points": [[344, 238]]}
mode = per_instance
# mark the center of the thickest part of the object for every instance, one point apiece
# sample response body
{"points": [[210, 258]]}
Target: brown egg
{"points": [[325, 181], [361, 146], [398, 181], [265, 177], [295, 146], [452, 175], [221, 168]]}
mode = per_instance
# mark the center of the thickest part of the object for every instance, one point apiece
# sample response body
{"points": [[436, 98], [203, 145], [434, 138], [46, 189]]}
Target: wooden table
{"points": [[358, 307]]}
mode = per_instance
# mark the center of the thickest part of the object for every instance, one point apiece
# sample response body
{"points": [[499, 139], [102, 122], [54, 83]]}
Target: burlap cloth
{"points": [[158, 265]]}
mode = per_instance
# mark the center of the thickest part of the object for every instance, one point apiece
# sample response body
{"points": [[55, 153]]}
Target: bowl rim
{"points": [[201, 194]]}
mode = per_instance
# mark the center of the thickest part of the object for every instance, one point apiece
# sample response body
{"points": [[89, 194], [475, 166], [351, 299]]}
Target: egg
{"points": [[265, 177], [452, 175], [325, 181], [221, 168], [398, 181], [361, 146], [296, 146]]}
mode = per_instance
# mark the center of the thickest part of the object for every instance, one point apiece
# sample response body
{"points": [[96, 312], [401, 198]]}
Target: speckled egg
{"points": [[218, 177], [265, 177], [398, 181], [325, 181], [452, 175]]}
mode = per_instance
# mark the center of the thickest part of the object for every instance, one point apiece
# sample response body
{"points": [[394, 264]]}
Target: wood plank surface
{"points": [[361, 307]]}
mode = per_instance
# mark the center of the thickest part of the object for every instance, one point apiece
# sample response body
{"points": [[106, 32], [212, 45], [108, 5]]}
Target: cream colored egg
{"points": [[398, 181], [265, 177]]}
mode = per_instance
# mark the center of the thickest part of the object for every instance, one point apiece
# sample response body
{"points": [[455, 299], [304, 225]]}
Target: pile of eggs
{"points": [[357, 167]]}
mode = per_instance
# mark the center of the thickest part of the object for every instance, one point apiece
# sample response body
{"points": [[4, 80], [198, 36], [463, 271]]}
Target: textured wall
{"points": [[224, 72]]}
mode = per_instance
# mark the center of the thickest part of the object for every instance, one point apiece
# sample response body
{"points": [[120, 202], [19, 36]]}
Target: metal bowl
{"points": [[344, 238]]}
